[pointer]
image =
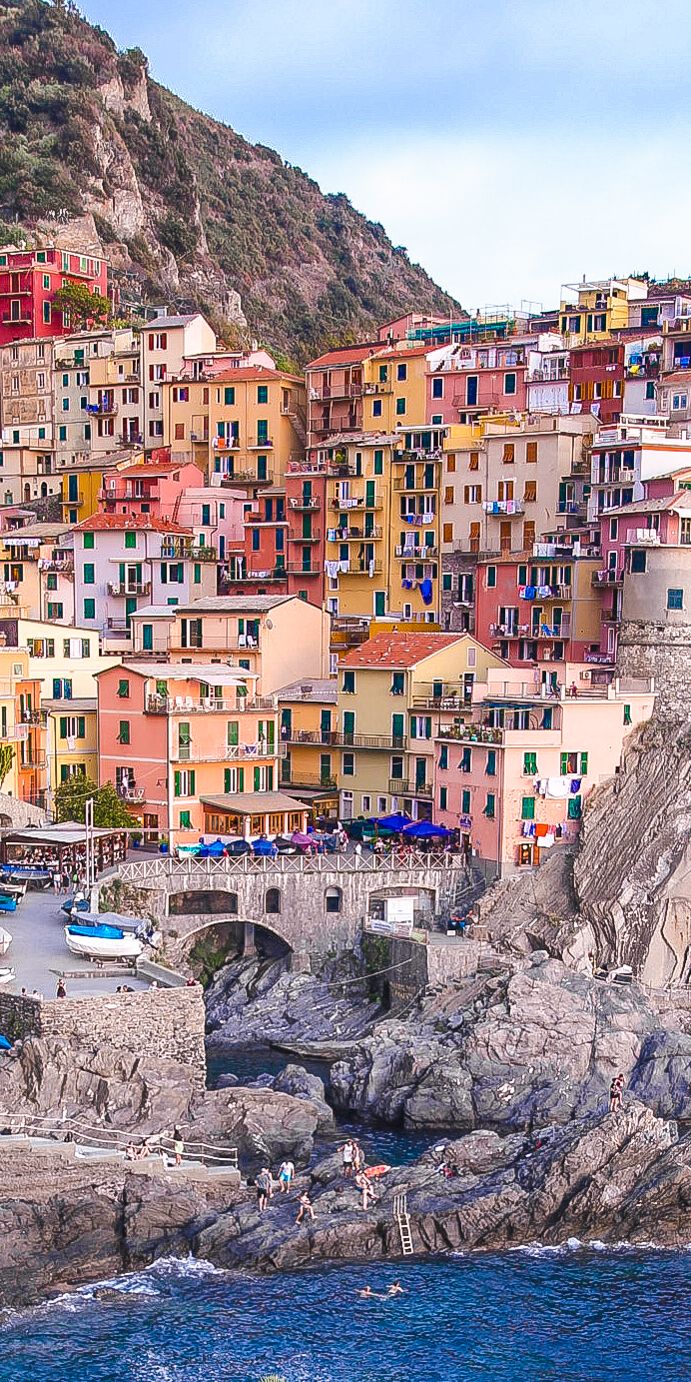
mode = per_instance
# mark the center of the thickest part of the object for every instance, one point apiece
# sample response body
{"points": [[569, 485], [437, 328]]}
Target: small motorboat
{"points": [[7, 974], [12, 889], [7, 903], [73, 904], [102, 942], [115, 920], [5, 940]]}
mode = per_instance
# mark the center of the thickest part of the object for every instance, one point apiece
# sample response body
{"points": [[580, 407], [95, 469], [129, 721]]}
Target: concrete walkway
{"points": [[39, 954]]}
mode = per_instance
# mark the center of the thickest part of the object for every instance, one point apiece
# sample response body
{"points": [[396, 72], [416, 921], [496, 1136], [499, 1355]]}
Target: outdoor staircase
{"points": [[468, 891], [400, 1209]]}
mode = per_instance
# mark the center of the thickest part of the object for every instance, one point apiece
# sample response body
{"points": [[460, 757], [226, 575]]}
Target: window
{"points": [[509, 383], [528, 809], [675, 598], [531, 452], [55, 611], [185, 820], [465, 802], [89, 609], [444, 756], [491, 764], [508, 453], [62, 434], [613, 531], [89, 576], [530, 492], [124, 732], [443, 798], [575, 808], [272, 904], [627, 715], [584, 764], [379, 462], [262, 393], [437, 388], [529, 766], [72, 727], [638, 560], [376, 407], [184, 783], [51, 581], [333, 899], [349, 683], [130, 539], [447, 536], [348, 765], [124, 689], [397, 684], [489, 806], [46, 312], [400, 407], [491, 577]]}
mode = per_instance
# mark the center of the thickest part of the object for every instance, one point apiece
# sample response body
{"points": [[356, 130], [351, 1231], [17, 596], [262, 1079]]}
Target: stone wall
{"points": [[165, 1023], [17, 815], [662, 651]]}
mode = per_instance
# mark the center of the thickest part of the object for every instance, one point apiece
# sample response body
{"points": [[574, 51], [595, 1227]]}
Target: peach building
{"points": [[170, 734], [512, 776]]}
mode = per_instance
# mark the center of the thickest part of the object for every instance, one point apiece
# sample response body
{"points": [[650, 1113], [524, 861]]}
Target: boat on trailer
{"points": [[102, 943]]}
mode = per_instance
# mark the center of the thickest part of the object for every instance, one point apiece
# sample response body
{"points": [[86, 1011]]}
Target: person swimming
{"points": [[368, 1294], [395, 1289]]}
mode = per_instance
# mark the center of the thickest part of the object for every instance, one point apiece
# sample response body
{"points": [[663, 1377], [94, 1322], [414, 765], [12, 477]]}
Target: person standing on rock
{"points": [[305, 1207], [347, 1152], [61, 991], [615, 1092], [285, 1176], [178, 1146], [263, 1186]]}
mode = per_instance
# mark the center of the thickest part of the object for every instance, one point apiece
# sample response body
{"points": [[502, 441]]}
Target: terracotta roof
{"points": [[153, 468], [249, 373], [345, 355], [401, 353], [143, 522], [399, 649], [659, 505]]}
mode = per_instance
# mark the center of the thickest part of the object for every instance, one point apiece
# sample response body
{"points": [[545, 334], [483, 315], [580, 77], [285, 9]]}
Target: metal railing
{"points": [[98, 1138]]}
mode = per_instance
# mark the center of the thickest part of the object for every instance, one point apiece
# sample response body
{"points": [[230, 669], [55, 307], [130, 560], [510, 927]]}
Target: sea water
{"points": [[535, 1315]]}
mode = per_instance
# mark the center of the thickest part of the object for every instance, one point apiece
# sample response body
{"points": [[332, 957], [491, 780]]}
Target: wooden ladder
{"points": [[400, 1209]]}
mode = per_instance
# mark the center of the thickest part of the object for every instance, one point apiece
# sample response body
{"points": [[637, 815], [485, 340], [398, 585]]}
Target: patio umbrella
{"points": [[398, 821], [425, 830]]}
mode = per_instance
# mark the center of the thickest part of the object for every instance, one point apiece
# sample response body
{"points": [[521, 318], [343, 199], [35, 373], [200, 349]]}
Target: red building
{"points": [[29, 280], [334, 392], [532, 609], [596, 380], [259, 567]]}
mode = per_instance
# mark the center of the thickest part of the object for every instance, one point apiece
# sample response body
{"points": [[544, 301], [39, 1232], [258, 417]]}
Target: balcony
{"points": [[447, 701], [607, 578], [610, 616], [24, 319], [504, 508], [381, 386], [128, 792], [571, 506], [224, 444], [399, 787], [225, 753], [277, 573], [129, 588], [260, 444], [246, 477], [417, 554], [296, 778], [314, 536], [353, 534], [545, 592], [309, 736], [347, 504], [417, 486], [185, 705], [304, 504], [368, 741], [360, 568], [418, 457]]}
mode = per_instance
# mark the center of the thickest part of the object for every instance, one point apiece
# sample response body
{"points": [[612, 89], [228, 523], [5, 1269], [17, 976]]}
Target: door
{"points": [[130, 607], [325, 725], [437, 690], [505, 537], [398, 730], [348, 726], [471, 391], [286, 723], [379, 603], [369, 494], [148, 637], [420, 772]]}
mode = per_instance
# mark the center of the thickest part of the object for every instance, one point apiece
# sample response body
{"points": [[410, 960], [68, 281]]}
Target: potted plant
{"points": [[163, 844]]}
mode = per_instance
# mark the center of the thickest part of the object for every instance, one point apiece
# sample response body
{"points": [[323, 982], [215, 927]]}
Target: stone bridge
{"points": [[316, 906]]}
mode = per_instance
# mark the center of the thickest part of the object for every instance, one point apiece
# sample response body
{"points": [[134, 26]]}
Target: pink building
{"points": [[470, 380], [124, 561], [155, 488], [169, 734], [538, 609], [513, 776], [626, 533]]}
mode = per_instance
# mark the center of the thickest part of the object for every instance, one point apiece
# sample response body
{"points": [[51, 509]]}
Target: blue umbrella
{"points": [[398, 821], [425, 830]]}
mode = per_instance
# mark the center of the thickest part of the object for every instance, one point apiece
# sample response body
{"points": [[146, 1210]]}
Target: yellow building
{"points": [[394, 388], [415, 532], [71, 740], [391, 693], [22, 727], [599, 309], [257, 425], [81, 486], [308, 756], [357, 550], [185, 404]]}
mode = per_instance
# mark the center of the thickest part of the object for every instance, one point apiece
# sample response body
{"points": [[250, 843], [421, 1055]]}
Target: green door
{"points": [[148, 638], [380, 603], [398, 730], [348, 725], [325, 724], [130, 607], [369, 494]]}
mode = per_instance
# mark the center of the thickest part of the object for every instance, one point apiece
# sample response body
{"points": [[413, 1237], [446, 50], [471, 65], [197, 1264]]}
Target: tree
{"points": [[6, 760], [85, 308], [110, 812]]}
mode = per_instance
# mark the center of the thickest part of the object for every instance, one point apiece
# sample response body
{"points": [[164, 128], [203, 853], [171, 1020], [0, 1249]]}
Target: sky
{"points": [[509, 145]]}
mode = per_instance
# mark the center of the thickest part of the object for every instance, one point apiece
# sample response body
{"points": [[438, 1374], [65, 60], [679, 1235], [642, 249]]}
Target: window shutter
{"points": [[226, 779], [176, 789], [564, 760], [257, 780], [241, 779], [63, 726], [81, 727], [192, 783]]}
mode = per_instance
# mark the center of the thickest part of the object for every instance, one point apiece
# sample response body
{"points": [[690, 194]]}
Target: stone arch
{"points": [[247, 934], [44, 490], [196, 902], [333, 900], [272, 902]]}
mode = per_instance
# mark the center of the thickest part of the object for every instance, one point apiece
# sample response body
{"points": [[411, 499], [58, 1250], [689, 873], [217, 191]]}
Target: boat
{"points": [[115, 920], [7, 974], [73, 904], [5, 940], [102, 943], [7, 903]]}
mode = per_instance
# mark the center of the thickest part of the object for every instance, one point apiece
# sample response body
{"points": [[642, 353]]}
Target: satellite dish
{"points": [[269, 624]]}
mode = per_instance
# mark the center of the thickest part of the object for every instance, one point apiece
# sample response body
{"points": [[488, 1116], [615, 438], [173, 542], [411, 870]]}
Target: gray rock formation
{"points": [[258, 1001], [537, 1044], [611, 1177]]}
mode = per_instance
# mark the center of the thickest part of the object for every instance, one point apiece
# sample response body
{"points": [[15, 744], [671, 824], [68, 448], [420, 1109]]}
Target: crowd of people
{"points": [[354, 1169]]}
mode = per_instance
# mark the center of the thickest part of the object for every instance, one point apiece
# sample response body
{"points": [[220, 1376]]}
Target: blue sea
{"points": [[532, 1315]]}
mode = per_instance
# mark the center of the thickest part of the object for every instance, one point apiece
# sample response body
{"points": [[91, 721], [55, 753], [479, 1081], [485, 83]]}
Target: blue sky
{"points": [[510, 145]]}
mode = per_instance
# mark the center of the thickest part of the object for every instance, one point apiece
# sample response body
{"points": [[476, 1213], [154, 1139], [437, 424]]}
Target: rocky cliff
{"points": [[188, 211]]}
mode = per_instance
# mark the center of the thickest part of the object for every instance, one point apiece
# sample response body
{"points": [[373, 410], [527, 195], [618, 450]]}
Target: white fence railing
{"points": [[403, 863]]}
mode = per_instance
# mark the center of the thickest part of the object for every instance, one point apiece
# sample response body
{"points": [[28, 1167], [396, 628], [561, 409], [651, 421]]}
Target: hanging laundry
{"points": [[576, 785], [541, 830], [529, 593], [558, 787], [426, 591]]}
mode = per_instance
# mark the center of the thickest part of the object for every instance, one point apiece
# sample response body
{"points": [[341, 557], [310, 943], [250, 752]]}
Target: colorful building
{"points": [[29, 280], [512, 773], [391, 693], [257, 426], [600, 308], [22, 727], [395, 387], [538, 609], [335, 392], [156, 487], [307, 724], [596, 380], [37, 565], [170, 734], [167, 343]]}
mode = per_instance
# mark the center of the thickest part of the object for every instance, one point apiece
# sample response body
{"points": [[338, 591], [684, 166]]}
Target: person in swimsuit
{"points": [[615, 1092], [395, 1289], [347, 1153], [305, 1207], [285, 1176]]}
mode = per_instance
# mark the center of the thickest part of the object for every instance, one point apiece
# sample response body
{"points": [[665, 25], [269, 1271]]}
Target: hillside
{"points": [[188, 212]]}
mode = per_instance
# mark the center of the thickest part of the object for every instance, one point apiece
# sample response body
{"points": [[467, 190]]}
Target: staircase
{"points": [[468, 891], [299, 420], [400, 1209]]}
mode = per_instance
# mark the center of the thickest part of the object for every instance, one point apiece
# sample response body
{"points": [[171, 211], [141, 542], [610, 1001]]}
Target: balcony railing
{"points": [[604, 578], [225, 753], [186, 705], [247, 477], [417, 554], [353, 534], [368, 741], [504, 508], [129, 588], [128, 792], [305, 503], [348, 503], [62, 566], [309, 736], [314, 536], [296, 778], [400, 787], [259, 444], [360, 568]]}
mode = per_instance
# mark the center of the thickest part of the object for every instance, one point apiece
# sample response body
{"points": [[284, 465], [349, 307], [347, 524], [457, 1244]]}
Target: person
{"points": [[395, 1289], [615, 1092], [347, 1154], [368, 1294], [263, 1187], [573, 691], [358, 1157], [285, 1176], [358, 851], [61, 991], [56, 882], [178, 1146], [305, 1207], [131, 1152], [363, 1184]]}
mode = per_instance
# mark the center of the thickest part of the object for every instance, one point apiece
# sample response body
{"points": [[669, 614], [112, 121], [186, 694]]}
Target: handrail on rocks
{"points": [[71, 1129]]}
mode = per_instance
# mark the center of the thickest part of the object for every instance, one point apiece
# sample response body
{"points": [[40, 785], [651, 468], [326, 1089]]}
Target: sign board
{"points": [[399, 910]]}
